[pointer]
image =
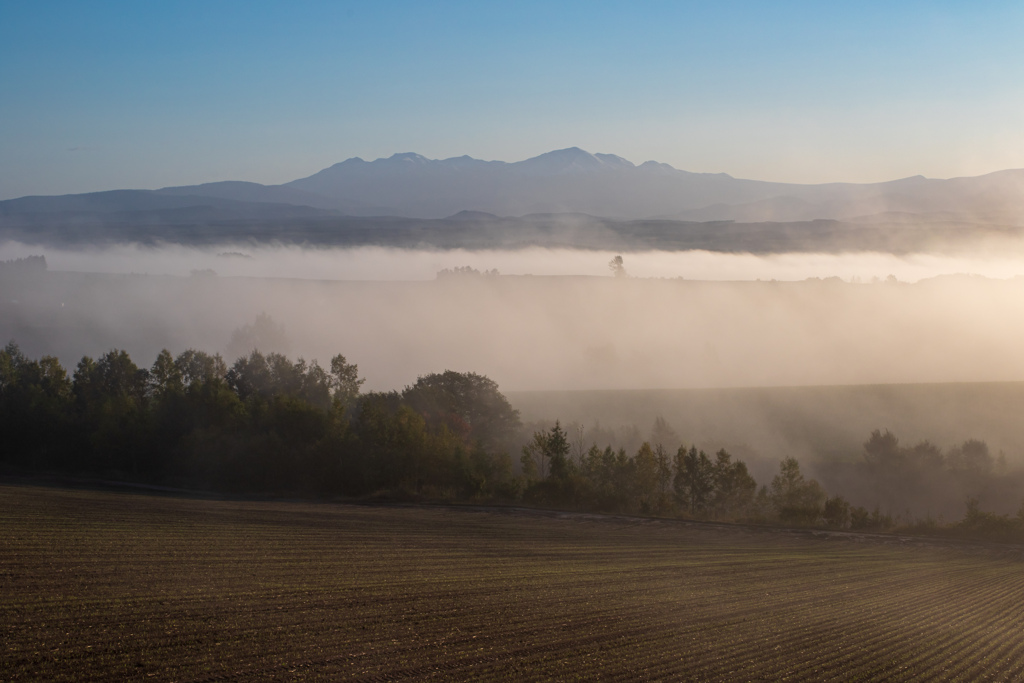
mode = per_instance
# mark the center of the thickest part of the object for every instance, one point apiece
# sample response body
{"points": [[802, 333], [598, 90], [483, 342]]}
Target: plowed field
{"points": [[115, 586]]}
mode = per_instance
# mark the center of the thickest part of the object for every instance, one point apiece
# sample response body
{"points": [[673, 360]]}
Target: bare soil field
{"points": [[98, 585]]}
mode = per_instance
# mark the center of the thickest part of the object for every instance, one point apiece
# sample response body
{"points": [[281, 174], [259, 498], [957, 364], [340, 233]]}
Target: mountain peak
{"points": [[567, 154], [561, 160], [407, 157], [351, 161], [656, 166], [472, 216]]}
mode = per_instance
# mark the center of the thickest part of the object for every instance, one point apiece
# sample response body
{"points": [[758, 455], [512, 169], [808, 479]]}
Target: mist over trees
{"points": [[924, 481], [27, 265], [262, 334], [273, 426]]}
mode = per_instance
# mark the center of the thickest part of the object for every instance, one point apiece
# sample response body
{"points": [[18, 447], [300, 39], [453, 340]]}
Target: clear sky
{"points": [[103, 95]]}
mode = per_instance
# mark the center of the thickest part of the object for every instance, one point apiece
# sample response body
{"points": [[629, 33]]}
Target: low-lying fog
{"points": [[559, 320], [375, 263], [388, 312]]}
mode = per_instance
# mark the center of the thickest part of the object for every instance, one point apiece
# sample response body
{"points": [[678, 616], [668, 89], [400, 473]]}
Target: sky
{"points": [[107, 95]]}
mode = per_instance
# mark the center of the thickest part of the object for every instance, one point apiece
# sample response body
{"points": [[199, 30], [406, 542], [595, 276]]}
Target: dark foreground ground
{"points": [[119, 586]]}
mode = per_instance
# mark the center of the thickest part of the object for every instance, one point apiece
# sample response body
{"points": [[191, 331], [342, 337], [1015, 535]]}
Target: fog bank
{"points": [[377, 263], [570, 325], [550, 332]]}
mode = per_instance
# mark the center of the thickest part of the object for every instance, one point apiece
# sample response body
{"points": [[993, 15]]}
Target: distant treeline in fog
{"points": [[206, 226], [269, 425]]}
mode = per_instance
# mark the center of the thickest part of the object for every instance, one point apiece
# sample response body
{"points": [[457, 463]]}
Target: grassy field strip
{"points": [[980, 666], [99, 586], [1010, 656], [956, 636], [943, 639], [741, 655], [891, 641], [812, 629]]}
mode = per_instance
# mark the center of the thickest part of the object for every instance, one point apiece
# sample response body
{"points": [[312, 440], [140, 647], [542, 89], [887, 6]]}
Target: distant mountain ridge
{"points": [[563, 181], [575, 181], [567, 181]]}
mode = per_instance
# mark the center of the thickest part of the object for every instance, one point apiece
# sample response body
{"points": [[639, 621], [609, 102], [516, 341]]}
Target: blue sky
{"points": [[103, 95]]}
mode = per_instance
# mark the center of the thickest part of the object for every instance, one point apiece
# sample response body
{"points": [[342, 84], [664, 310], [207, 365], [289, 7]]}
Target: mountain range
{"points": [[416, 191]]}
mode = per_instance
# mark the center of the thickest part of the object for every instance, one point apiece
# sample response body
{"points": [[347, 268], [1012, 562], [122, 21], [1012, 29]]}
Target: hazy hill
{"points": [[564, 181], [240, 191], [566, 197], [572, 180], [993, 198]]}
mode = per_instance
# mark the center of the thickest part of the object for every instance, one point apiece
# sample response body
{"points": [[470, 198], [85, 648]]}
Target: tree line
{"points": [[920, 482], [687, 483], [28, 266], [265, 424], [270, 425]]}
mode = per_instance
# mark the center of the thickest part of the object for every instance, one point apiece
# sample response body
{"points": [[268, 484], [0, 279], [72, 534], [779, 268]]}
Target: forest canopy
{"points": [[268, 425]]}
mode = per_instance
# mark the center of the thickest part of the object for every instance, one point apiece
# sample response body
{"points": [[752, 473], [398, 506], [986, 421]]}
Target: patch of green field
{"points": [[113, 586]]}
